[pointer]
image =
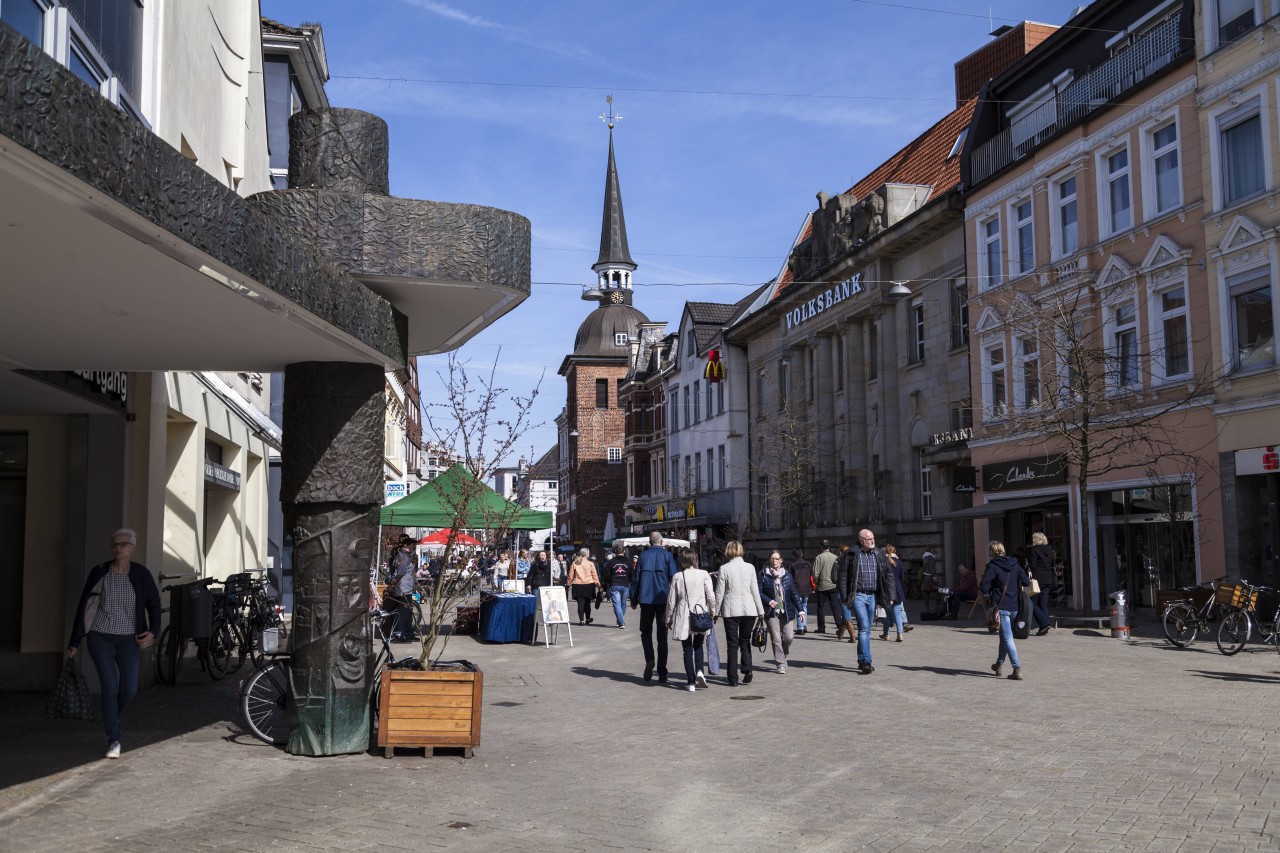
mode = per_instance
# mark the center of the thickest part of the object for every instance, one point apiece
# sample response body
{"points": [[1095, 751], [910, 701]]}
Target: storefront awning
{"points": [[994, 508]]}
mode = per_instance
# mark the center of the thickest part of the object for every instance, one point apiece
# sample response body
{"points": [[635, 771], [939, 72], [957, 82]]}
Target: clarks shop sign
{"points": [[1024, 473], [824, 301]]}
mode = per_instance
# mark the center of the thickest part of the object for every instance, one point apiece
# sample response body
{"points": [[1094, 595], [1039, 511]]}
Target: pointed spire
{"points": [[613, 230]]}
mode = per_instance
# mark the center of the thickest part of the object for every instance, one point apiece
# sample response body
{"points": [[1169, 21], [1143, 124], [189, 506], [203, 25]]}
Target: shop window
{"points": [[1252, 321]]}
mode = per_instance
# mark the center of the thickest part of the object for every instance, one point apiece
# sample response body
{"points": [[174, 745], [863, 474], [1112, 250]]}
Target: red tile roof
{"points": [[923, 161]]}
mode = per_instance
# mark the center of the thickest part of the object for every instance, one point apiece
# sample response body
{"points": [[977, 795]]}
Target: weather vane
{"points": [[610, 118]]}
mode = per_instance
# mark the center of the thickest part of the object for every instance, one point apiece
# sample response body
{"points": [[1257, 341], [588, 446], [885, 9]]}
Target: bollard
{"points": [[1119, 616]]}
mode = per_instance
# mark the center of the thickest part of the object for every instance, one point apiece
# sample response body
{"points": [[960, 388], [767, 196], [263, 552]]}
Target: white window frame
{"points": [[1224, 118], [614, 455], [1066, 393], [1056, 204], [1237, 281], [989, 238], [674, 396], [1212, 25], [1113, 331], [697, 402], [991, 410], [1021, 360], [1016, 228], [1158, 315], [720, 396], [621, 339], [1150, 154], [724, 463], [1107, 226], [915, 318], [697, 472], [711, 469]]}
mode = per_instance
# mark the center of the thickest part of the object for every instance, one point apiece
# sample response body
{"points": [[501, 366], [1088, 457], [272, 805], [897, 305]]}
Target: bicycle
{"points": [[250, 610], [264, 696], [1247, 604], [212, 652], [1184, 619]]}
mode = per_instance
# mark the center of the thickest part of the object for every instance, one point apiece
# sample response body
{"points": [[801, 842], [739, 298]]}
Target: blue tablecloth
{"points": [[507, 617]]}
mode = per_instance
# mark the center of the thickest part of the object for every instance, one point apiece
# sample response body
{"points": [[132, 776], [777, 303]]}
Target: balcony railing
{"points": [[1156, 49]]}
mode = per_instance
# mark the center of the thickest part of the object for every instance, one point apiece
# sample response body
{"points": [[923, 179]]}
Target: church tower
{"points": [[592, 426]]}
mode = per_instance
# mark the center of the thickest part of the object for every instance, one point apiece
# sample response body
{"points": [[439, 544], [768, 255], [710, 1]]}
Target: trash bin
{"points": [[194, 605], [1119, 615]]}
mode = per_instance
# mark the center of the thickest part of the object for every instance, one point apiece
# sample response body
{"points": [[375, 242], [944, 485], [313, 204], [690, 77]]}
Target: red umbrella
{"points": [[441, 537]]}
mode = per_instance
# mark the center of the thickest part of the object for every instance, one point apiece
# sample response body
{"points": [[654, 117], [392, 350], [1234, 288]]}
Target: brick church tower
{"points": [[593, 480]]}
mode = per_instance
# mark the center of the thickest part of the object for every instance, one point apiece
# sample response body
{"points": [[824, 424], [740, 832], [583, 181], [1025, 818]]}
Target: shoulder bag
{"points": [[699, 619], [993, 611], [759, 634]]}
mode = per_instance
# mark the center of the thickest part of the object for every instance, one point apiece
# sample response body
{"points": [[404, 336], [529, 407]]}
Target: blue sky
{"points": [[735, 114]]}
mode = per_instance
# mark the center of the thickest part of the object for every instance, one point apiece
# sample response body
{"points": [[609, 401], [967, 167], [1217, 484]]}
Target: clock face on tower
{"points": [[616, 297]]}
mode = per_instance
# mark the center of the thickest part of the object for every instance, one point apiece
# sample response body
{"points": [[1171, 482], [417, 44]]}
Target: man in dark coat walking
{"points": [[654, 571]]}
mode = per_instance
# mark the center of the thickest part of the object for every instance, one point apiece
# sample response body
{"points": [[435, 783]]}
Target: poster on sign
{"points": [[554, 605]]}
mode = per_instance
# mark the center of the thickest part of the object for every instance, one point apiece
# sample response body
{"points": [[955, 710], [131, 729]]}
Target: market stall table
{"points": [[507, 617]]}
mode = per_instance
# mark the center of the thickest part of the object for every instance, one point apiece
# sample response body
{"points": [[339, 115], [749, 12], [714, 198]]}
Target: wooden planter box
{"points": [[430, 709]]}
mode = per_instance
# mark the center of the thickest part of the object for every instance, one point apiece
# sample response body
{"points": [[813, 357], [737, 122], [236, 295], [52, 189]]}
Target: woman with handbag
{"points": [[691, 611], [583, 583], [119, 613], [778, 594], [1040, 565], [738, 603], [1002, 584]]}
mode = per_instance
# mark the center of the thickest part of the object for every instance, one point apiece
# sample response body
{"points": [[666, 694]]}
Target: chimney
{"points": [[1009, 44]]}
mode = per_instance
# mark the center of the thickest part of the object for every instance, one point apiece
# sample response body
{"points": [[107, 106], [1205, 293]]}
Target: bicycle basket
{"points": [[1237, 595]]}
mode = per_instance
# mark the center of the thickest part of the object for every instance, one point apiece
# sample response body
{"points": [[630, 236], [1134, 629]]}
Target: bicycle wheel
{"points": [[218, 655], [169, 652], [1234, 632], [1181, 624], [264, 703]]}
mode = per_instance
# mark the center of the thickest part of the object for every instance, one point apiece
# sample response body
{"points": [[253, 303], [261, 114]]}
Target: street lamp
{"points": [[899, 290]]}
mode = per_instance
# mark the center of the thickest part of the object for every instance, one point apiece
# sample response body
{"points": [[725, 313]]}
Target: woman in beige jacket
{"points": [[690, 589], [738, 603], [583, 583]]}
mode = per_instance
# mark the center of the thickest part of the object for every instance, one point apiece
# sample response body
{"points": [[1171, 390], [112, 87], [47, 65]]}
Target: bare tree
{"points": [[484, 424], [1071, 369]]}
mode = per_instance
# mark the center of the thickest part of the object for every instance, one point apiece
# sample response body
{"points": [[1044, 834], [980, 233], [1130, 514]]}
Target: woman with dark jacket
{"points": [[1040, 567], [119, 612], [1003, 581], [781, 604], [896, 613]]}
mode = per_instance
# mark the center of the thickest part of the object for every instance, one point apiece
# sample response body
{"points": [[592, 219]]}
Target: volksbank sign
{"points": [[824, 301]]}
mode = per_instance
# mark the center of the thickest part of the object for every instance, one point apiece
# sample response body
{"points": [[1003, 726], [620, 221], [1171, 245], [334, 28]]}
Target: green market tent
{"points": [[435, 505]]}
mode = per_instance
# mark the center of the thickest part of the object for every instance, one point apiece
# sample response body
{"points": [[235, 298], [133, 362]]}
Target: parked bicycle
{"points": [[264, 696], [212, 652], [1245, 606], [1186, 618]]}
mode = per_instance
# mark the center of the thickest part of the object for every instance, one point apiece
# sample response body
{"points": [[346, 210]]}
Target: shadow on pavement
{"points": [[1236, 676], [792, 663], [620, 677], [942, 670], [35, 747]]}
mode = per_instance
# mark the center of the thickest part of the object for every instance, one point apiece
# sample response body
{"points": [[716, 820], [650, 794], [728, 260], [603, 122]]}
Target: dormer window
{"points": [[620, 339]]}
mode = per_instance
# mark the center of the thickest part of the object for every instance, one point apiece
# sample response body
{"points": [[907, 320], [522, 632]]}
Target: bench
{"points": [[1099, 622]]}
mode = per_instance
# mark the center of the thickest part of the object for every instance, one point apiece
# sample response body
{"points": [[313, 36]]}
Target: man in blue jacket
{"points": [[649, 586]]}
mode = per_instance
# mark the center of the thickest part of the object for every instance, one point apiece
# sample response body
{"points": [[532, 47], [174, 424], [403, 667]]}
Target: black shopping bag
{"points": [[70, 699]]}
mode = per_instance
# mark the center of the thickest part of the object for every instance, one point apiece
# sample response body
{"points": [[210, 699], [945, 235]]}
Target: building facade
{"points": [[1238, 176], [1091, 357]]}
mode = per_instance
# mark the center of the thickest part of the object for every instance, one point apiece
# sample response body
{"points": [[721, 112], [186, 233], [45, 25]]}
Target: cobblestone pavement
{"points": [[1107, 745]]}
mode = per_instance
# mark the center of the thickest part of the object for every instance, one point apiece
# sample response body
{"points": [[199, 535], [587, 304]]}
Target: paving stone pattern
{"points": [[1107, 745]]}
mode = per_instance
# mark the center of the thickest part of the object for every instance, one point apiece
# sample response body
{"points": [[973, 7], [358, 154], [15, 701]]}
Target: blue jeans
{"points": [[896, 616], [618, 594], [864, 610], [1006, 639], [804, 608], [115, 656]]}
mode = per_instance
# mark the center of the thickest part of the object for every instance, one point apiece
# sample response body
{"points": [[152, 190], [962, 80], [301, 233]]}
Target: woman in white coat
{"points": [[738, 603], [691, 588]]}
